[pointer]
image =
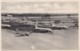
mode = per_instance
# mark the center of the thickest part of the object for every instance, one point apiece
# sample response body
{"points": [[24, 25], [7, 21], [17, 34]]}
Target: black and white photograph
{"points": [[39, 25]]}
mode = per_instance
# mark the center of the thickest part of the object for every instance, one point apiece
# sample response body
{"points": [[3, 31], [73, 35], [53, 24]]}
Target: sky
{"points": [[39, 7]]}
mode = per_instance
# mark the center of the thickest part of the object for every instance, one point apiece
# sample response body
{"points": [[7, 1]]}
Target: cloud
{"points": [[24, 7]]}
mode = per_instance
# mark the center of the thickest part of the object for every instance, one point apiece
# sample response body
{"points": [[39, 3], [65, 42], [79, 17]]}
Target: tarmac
{"points": [[59, 40]]}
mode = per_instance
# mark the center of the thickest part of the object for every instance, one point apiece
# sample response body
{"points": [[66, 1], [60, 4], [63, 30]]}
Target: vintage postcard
{"points": [[39, 25]]}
